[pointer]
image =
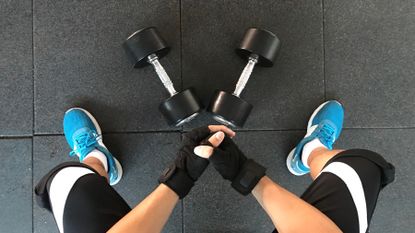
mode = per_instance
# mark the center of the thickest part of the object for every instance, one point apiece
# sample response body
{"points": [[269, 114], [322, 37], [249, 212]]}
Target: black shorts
{"points": [[330, 194], [94, 206]]}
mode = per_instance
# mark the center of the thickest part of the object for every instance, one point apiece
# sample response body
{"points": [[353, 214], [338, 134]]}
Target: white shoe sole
{"points": [[101, 142], [120, 171], [288, 163]]}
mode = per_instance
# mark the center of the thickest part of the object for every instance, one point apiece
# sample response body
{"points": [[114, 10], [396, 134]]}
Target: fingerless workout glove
{"points": [[181, 175], [233, 165]]}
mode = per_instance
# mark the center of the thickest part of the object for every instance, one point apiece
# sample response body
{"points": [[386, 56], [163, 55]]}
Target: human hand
{"points": [[193, 164], [233, 165], [188, 167]]}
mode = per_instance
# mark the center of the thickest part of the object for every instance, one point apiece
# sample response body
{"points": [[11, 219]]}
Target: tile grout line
{"points": [[181, 44], [181, 51], [5, 137], [184, 131], [16, 137], [324, 51], [108, 132], [31, 191], [182, 201], [181, 87], [33, 112]]}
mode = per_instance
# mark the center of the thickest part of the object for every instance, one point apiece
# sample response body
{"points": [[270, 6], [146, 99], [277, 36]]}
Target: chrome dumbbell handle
{"points": [[246, 73], [161, 72]]}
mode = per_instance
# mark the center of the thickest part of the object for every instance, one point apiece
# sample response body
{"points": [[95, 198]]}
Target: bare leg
{"points": [[318, 158], [97, 165]]}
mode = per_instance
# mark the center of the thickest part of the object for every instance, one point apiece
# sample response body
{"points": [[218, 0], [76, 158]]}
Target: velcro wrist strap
{"points": [[179, 181], [248, 177]]}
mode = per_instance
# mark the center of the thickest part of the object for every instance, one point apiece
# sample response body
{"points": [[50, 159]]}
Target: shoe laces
{"points": [[326, 134], [83, 142]]}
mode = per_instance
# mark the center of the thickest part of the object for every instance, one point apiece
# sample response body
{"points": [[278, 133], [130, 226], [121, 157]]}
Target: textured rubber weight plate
{"points": [[261, 42], [229, 109], [143, 43], [181, 107]]}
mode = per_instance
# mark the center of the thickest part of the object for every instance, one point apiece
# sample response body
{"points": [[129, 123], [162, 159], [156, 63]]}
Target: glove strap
{"points": [[177, 180], [248, 177]]}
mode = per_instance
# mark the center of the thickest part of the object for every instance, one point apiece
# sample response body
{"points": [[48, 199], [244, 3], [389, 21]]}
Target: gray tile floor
{"points": [[59, 54]]}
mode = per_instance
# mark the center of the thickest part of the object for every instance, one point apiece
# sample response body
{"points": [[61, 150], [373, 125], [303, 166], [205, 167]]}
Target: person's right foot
{"points": [[324, 128], [83, 134]]}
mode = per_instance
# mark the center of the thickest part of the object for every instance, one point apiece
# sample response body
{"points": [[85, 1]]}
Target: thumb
{"points": [[216, 139], [206, 151], [203, 151]]}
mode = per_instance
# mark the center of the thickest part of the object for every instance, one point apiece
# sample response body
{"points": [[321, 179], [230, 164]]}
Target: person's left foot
{"points": [[83, 134]]}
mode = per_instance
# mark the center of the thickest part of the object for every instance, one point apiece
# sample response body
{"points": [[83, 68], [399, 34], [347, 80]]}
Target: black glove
{"points": [[233, 165], [181, 175]]}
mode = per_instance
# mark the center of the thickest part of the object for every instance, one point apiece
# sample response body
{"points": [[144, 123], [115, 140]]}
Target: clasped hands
{"points": [[213, 144]]}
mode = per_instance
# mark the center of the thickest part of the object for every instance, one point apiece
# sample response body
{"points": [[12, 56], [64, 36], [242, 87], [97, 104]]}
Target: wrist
{"points": [[259, 187], [248, 177], [168, 191], [177, 180]]}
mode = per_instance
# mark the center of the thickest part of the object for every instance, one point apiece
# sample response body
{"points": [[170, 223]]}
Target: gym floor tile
{"points": [[79, 61], [370, 53], [16, 185], [16, 81], [141, 163], [216, 207], [395, 208], [283, 96]]}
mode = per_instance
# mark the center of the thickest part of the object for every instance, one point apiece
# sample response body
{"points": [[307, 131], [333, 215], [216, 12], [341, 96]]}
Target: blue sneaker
{"points": [[84, 135], [326, 125]]}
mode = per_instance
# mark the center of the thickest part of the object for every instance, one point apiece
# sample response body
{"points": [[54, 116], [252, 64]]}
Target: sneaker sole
{"points": [[120, 172], [291, 154], [95, 122], [288, 163]]}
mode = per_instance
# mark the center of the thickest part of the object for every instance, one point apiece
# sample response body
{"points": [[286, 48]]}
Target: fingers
{"points": [[215, 140], [196, 135], [226, 130], [205, 151]]}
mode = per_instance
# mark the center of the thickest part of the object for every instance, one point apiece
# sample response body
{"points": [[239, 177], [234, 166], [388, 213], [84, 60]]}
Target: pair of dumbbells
{"points": [[260, 47]]}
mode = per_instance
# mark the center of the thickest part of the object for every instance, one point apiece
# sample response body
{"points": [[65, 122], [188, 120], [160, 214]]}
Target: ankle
{"points": [[315, 153], [100, 157], [97, 165], [309, 148]]}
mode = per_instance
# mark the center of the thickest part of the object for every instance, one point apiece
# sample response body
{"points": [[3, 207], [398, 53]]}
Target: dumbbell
{"points": [[260, 47], [145, 47]]}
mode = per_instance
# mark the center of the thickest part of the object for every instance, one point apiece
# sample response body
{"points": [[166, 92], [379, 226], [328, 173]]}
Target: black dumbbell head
{"points": [[261, 42], [229, 109], [181, 107], [143, 43]]}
